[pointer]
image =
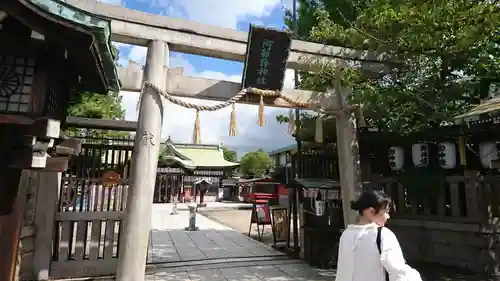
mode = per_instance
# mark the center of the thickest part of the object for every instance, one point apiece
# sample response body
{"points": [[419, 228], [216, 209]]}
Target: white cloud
{"points": [[138, 54], [218, 12], [112, 2]]}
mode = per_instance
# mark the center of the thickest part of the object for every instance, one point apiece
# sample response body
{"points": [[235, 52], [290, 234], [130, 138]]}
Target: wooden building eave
{"points": [[92, 123], [86, 37]]}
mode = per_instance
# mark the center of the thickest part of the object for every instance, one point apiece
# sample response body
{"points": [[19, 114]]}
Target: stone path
{"points": [[216, 252]]}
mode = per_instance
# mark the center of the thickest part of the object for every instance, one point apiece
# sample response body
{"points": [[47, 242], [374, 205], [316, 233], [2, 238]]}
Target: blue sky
{"points": [[178, 122]]}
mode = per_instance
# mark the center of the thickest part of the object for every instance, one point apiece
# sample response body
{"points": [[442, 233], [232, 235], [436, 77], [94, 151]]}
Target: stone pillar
{"points": [[137, 222], [348, 152]]}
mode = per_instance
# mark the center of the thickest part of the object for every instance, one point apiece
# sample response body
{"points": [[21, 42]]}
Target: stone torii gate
{"points": [[162, 35]]}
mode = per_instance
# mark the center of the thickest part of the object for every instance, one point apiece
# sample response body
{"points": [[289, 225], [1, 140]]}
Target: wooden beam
{"points": [[218, 90], [89, 123]]}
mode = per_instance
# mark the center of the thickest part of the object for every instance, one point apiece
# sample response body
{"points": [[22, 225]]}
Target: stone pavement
{"points": [[216, 252], [210, 205]]}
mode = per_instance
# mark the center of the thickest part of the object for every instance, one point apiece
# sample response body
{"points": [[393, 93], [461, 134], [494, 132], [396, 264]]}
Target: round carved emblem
{"points": [[9, 81]]}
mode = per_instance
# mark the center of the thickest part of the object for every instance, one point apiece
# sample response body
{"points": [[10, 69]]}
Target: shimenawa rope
{"points": [[231, 101]]}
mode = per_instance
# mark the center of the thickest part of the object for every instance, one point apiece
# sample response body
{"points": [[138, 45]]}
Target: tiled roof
{"points": [[195, 155], [486, 107], [100, 28]]}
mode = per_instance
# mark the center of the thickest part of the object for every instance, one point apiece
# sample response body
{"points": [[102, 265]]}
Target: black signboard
{"points": [[266, 57]]}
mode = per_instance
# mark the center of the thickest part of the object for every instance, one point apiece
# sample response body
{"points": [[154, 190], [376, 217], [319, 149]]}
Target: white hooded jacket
{"points": [[360, 260]]}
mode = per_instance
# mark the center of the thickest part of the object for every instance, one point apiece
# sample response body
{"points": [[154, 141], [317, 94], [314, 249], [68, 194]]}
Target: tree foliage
{"points": [[448, 54], [256, 163], [97, 106], [229, 155]]}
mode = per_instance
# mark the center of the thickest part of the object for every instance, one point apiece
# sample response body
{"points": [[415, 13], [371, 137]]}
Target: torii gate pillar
{"points": [[137, 223], [349, 166]]}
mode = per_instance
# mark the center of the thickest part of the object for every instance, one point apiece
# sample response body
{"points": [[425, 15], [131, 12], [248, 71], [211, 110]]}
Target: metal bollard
{"points": [[192, 218], [174, 209]]}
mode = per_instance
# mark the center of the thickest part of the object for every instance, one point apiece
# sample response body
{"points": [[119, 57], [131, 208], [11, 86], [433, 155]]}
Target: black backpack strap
{"points": [[379, 246]]}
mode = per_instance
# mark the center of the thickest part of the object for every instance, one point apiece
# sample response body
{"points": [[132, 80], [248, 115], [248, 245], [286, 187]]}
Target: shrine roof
{"points": [[199, 155], [486, 107], [81, 21]]}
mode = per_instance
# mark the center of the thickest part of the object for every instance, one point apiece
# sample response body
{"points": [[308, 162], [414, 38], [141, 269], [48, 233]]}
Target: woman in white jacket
{"points": [[368, 251]]}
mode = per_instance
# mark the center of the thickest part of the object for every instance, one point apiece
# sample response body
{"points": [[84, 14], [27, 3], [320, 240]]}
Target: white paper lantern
{"points": [[447, 155], [396, 158], [488, 152], [420, 154], [320, 207]]}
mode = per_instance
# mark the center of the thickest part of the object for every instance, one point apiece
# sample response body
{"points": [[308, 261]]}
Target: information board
{"points": [[261, 214], [280, 221]]}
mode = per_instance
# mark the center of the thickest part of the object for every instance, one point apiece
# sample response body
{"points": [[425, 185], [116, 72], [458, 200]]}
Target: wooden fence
{"points": [[89, 214], [459, 199], [454, 225]]}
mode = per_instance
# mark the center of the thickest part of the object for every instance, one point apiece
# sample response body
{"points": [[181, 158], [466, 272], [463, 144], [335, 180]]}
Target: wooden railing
{"points": [[459, 199], [316, 166], [89, 214], [87, 227]]}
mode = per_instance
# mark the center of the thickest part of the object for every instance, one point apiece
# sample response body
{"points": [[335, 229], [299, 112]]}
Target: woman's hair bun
{"points": [[375, 199], [355, 205]]}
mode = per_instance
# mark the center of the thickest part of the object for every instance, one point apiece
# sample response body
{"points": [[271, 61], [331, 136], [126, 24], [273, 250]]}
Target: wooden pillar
{"points": [[12, 223], [46, 208]]}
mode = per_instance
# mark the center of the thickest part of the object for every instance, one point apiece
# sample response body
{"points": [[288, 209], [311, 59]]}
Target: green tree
{"points": [[449, 53], [229, 155], [97, 106], [256, 163]]}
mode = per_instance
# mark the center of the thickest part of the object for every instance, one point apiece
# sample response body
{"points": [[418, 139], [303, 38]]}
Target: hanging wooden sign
{"points": [[266, 57]]}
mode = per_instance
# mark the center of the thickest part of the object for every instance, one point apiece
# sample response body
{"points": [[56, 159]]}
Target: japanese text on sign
{"points": [[264, 61]]}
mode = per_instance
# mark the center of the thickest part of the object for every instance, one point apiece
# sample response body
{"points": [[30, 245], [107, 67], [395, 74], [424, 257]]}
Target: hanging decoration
{"points": [[260, 119], [318, 132], [196, 129], [229, 102], [232, 122], [291, 122]]}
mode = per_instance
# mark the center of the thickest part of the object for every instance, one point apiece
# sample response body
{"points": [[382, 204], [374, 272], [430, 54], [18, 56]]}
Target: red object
{"points": [[253, 188], [262, 212], [282, 190]]}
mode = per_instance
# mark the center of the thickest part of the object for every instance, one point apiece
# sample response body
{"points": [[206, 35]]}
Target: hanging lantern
{"points": [[447, 154], [396, 158], [488, 152], [319, 204], [420, 154]]}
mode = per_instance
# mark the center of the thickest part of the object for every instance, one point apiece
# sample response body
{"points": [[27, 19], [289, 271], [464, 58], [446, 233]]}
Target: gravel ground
{"points": [[239, 221]]}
